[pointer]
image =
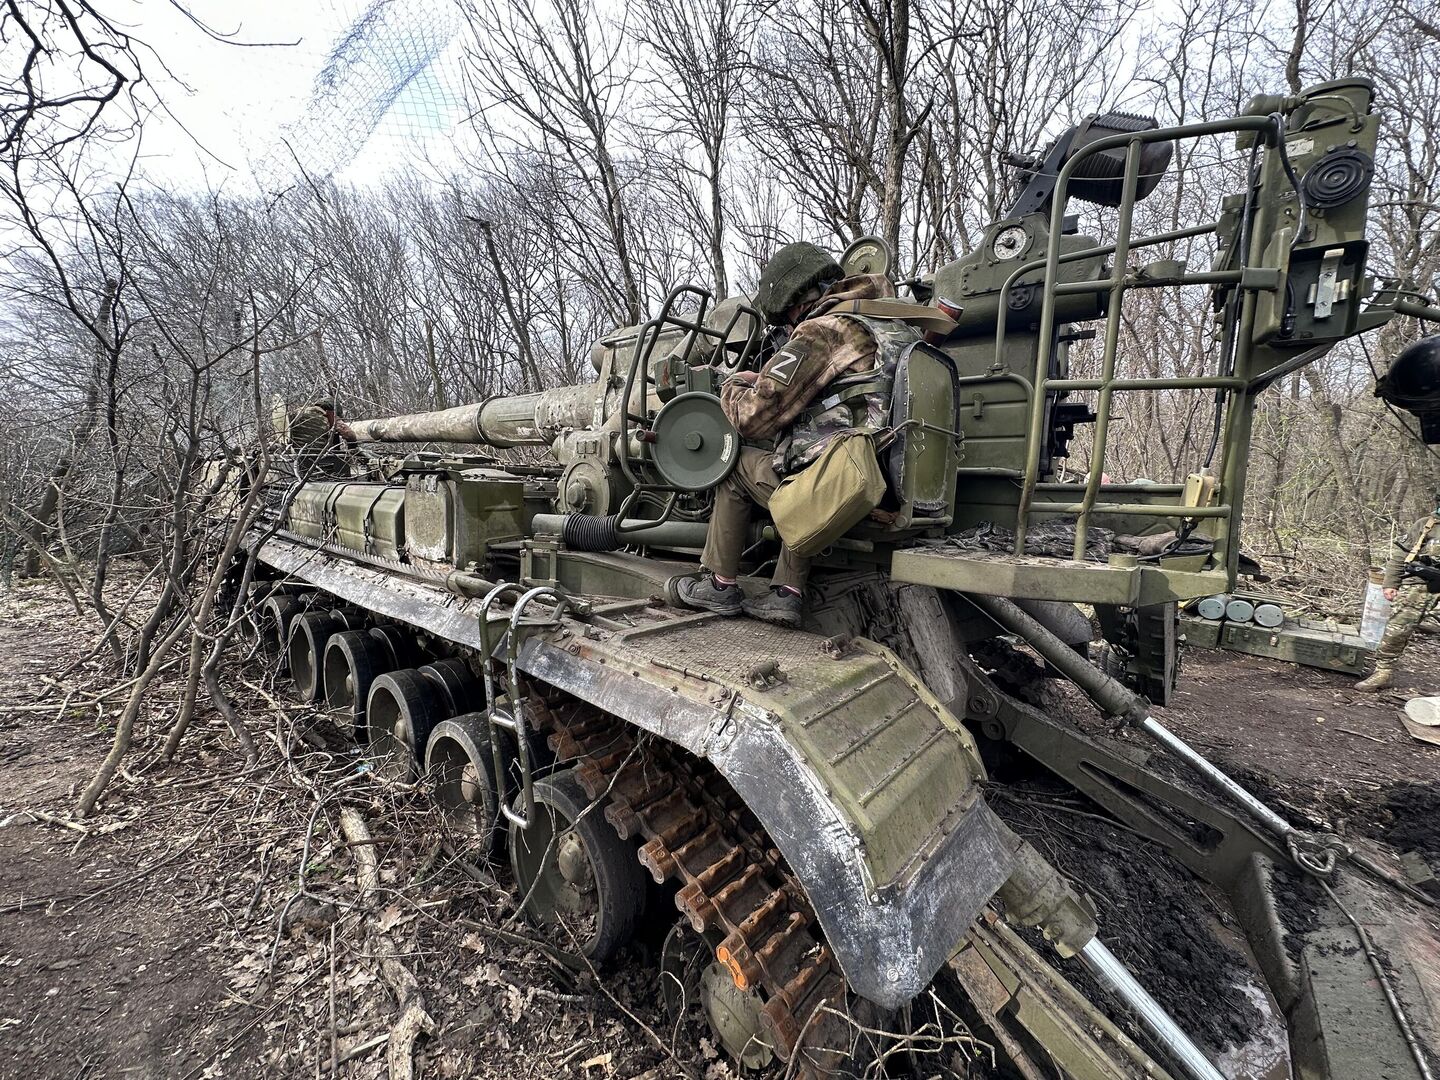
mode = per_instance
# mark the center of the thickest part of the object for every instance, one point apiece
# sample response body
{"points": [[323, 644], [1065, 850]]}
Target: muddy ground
{"points": [[206, 922]]}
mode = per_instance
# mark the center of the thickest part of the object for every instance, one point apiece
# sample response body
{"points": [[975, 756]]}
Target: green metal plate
{"points": [[695, 445]]}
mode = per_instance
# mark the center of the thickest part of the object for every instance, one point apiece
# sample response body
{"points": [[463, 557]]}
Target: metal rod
{"points": [[1396, 1009], [1145, 509], [1215, 776], [1209, 277], [1117, 700], [1112, 346], [1100, 251], [1202, 382], [1114, 489], [1417, 310], [1114, 976]]}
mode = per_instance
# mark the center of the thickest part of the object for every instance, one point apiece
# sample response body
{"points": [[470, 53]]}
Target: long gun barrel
{"points": [[519, 420]]}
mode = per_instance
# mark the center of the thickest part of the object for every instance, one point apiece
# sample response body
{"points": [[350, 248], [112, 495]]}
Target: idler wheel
{"points": [[461, 769], [402, 709], [308, 636], [274, 618], [459, 689], [574, 873], [354, 659]]}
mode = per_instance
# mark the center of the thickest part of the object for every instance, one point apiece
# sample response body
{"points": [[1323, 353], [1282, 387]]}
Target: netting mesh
{"points": [[386, 92]]}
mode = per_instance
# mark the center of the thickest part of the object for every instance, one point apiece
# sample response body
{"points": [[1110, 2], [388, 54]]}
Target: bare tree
{"points": [[565, 82]]}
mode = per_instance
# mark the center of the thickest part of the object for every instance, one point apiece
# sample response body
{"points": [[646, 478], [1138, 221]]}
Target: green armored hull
{"points": [[811, 801]]}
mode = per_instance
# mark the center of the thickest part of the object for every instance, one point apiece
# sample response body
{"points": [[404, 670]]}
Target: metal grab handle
{"points": [[492, 699], [515, 722], [486, 646]]}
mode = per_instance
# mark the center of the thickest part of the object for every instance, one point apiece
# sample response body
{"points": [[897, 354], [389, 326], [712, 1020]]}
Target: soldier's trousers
{"points": [[753, 481], [1411, 606]]}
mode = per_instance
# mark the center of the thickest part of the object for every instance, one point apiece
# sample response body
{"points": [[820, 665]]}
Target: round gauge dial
{"points": [[868, 255], [1010, 243]]}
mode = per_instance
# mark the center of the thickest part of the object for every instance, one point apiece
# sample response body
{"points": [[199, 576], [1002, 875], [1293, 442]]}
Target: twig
{"points": [[363, 1048], [334, 1037], [41, 815], [1358, 734]]}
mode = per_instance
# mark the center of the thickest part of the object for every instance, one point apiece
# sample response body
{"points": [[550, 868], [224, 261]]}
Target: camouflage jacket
{"points": [[824, 349], [1422, 538], [310, 430]]}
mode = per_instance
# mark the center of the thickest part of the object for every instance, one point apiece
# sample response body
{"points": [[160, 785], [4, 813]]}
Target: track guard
{"points": [[862, 780]]}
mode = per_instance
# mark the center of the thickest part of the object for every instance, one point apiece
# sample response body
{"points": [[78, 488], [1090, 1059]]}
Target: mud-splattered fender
{"points": [[891, 937]]}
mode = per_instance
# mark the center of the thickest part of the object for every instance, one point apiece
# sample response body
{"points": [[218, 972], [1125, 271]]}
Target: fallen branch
{"points": [[363, 1048], [399, 1053]]}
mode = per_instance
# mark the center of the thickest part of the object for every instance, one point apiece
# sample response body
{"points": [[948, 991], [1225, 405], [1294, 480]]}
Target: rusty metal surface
{"points": [[734, 885]]}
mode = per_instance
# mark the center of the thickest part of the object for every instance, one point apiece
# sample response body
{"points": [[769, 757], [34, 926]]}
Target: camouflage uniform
{"points": [[825, 352], [1411, 605], [321, 450]]}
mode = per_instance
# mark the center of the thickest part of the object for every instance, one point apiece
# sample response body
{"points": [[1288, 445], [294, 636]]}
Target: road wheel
{"points": [[353, 661], [575, 875], [309, 635], [402, 709], [275, 618], [461, 770], [459, 689]]}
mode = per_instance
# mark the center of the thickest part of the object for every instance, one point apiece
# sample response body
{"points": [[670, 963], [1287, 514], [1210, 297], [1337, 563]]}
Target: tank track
{"points": [[734, 885]]}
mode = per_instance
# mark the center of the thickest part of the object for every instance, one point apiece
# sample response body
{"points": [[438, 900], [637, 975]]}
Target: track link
{"points": [[734, 885]]}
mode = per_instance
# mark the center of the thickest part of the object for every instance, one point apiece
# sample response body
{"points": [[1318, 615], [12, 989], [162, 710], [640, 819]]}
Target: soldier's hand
{"points": [[1390, 594]]}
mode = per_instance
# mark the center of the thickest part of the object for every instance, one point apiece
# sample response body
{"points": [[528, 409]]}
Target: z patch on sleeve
{"points": [[783, 367]]}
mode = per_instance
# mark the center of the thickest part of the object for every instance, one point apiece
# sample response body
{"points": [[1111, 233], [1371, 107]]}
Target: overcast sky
{"points": [[243, 105]]}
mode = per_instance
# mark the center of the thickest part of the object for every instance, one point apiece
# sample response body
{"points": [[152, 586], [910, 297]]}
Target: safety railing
{"points": [[1116, 285], [641, 356]]}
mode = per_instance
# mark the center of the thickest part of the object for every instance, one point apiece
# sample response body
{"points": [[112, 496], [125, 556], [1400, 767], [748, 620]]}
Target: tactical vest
{"points": [[857, 399]]}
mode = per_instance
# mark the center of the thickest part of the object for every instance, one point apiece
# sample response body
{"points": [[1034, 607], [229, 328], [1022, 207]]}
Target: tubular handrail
{"points": [[1115, 286], [515, 722], [648, 336]]}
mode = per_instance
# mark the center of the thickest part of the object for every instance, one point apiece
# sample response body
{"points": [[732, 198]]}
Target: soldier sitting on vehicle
{"points": [[827, 353], [323, 443], [1409, 573]]}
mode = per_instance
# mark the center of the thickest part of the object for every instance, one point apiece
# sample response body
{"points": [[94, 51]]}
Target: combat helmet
{"points": [[1413, 384], [791, 273]]}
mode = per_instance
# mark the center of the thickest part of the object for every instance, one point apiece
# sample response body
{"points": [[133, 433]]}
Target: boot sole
{"points": [[791, 622], [715, 608]]}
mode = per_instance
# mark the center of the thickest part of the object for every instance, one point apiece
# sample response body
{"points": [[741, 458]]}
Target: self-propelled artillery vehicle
{"points": [[812, 800]]}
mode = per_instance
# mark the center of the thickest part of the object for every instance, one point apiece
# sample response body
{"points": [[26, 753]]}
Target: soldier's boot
{"points": [[779, 606], [1378, 679], [707, 594]]}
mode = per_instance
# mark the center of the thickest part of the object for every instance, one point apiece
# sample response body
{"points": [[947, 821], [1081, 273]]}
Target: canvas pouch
{"points": [[819, 504]]}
